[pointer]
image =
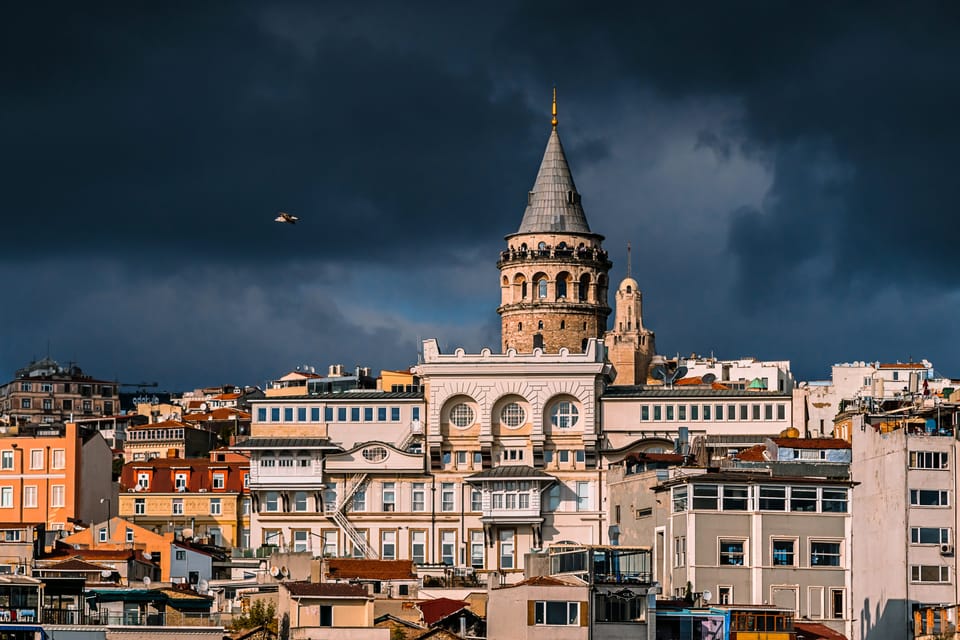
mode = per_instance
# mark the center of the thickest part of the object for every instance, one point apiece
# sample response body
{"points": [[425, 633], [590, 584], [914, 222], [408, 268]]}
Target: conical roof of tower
{"points": [[554, 204]]}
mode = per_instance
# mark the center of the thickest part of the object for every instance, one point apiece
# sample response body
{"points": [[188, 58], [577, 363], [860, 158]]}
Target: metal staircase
{"points": [[356, 483]]}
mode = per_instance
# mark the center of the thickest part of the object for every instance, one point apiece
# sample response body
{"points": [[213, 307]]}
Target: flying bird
{"points": [[286, 217]]}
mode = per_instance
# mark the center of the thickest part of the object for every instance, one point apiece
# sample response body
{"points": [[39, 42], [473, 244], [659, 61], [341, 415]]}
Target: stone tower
{"points": [[553, 274], [630, 346]]}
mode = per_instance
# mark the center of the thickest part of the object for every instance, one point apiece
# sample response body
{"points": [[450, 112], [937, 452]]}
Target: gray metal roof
{"points": [[643, 391], [511, 472], [345, 396], [554, 204], [285, 443]]}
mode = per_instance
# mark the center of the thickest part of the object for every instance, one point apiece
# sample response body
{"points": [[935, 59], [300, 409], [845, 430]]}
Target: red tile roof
{"points": [[349, 568], [166, 424], [326, 589], [75, 564], [902, 365], [220, 413], [199, 475], [436, 610], [812, 443], [816, 631], [753, 454]]}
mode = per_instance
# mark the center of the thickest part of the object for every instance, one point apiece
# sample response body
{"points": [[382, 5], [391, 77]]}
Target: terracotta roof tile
{"points": [[326, 589], [349, 568], [812, 443], [816, 631], [436, 610]]}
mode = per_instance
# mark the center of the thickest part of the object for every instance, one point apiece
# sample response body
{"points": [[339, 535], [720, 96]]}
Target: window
{"points": [[328, 414], [583, 496], [330, 497], [462, 459], [551, 612], [783, 553], [36, 458], [271, 501], [180, 481], [731, 552], [619, 606], [446, 496], [705, 496], [781, 412], [658, 412], [360, 499], [477, 552], [129, 535], [755, 411], [706, 412], [679, 499], [768, 412], [694, 412], [476, 500], [542, 288], [725, 595], [512, 454], [731, 412], [288, 414], [215, 509], [59, 459], [139, 506], [219, 480], [718, 412], [274, 414], [803, 499], [563, 455], [682, 412], [773, 498], [26, 386], [103, 534], [395, 414], [30, 496], [448, 546], [510, 495], [929, 573], [834, 501], [178, 506], [355, 414], [461, 415], [181, 554], [6, 497], [341, 414], [418, 546], [551, 500], [417, 497], [388, 545], [300, 501], [301, 540], [315, 414], [507, 549], [330, 546], [25, 403], [744, 411], [368, 414], [389, 496], [670, 412], [6, 461], [735, 498], [680, 551], [930, 535], [261, 414], [836, 603], [512, 415], [381, 414], [824, 554], [375, 454], [929, 498], [929, 460], [564, 415], [645, 413], [245, 506]]}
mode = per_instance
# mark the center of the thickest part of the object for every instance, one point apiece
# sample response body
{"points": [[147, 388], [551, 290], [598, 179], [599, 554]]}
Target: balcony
{"points": [[281, 476], [125, 619]]}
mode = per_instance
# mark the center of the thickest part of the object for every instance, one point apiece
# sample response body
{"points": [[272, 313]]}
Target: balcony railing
{"points": [[127, 618]]}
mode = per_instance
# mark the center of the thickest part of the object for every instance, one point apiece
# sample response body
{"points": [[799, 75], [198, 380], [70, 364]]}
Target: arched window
{"points": [[540, 325], [542, 288], [629, 289], [523, 290], [584, 287], [563, 324], [564, 415], [461, 415], [512, 415], [561, 288], [519, 326]]}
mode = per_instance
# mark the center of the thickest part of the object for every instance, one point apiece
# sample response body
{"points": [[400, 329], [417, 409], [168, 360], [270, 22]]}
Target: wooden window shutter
{"points": [[531, 612], [584, 614]]}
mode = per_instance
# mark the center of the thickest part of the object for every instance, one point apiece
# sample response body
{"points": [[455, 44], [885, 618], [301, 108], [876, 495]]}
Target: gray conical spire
{"points": [[554, 204]]}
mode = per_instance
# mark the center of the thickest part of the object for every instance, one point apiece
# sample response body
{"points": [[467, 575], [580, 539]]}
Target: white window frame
{"points": [[30, 496], [6, 460], [36, 458], [58, 495]]}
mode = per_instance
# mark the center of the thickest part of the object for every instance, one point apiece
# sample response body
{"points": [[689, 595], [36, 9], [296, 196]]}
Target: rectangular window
{"points": [[705, 496], [836, 603], [59, 459], [476, 549], [679, 499], [271, 502], [178, 506], [930, 535], [556, 613], [824, 554], [381, 414], [288, 414], [929, 573], [447, 496], [768, 412], [507, 549], [301, 540], [552, 498], [274, 414], [583, 496], [325, 615], [314, 414], [735, 498], [706, 412], [215, 507], [681, 412], [355, 414], [330, 497], [781, 412], [25, 403], [448, 547], [694, 412], [744, 412], [300, 501], [30, 496], [129, 535], [929, 498], [58, 495], [657, 412], [330, 544], [731, 412], [563, 455], [6, 460], [219, 480], [834, 501], [328, 414], [929, 460], [669, 412], [181, 554], [368, 414], [341, 414], [732, 552], [36, 458], [418, 546], [610, 607], [103, 534], [783, 553], [417, 497], [261, 414], [394, 414], [462, 459], [803, 499], [389, 496], [415, 413], [476, 500], [756, 411], [360, 499], [6, 497], [388, 545], [644, 412], [773, 498], [179, 481], [680, 551]]}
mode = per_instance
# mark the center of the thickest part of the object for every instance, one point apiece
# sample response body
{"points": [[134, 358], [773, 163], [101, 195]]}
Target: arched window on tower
{"points": [[523, 290], [538, 341], [584, 287], [629, 289], [563, 324], [542, 288], [540, 325], [519, 326], [562, 284]]}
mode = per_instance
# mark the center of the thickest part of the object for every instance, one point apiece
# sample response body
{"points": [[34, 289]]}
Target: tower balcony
{"points": [[594, 257]]}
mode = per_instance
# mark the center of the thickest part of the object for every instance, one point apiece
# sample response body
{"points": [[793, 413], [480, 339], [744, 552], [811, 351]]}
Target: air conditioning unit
{"points": [[946, 549]]}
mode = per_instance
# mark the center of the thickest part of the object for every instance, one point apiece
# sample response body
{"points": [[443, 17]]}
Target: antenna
{"points": [[628, 260]]}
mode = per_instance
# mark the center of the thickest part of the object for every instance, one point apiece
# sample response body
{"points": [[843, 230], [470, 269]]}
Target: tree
{"points": [[260, 614]]}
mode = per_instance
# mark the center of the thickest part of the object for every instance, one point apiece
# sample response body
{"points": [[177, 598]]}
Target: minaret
{"points": [[630, 346], [553, 274]]}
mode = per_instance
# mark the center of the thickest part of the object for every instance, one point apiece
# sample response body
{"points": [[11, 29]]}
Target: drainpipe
{"points": [[433, 515]]}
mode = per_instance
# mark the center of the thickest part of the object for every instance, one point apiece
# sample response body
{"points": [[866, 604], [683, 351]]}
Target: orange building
{"points": [[53, 476], [119, 533]]}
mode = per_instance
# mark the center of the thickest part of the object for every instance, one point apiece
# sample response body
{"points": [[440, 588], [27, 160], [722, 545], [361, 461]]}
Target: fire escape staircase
{"points": [[356, 483]]}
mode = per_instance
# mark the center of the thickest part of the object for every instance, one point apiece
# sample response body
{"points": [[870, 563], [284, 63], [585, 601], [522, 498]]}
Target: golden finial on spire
{"points": [[554, 121]]}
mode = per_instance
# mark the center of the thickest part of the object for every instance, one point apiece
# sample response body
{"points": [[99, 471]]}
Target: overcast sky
{"points": [[785, 172]]}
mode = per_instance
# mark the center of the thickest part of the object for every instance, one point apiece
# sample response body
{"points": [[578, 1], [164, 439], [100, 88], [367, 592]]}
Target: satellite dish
{"points": [[106, 573], [707, 595], [203, 585], [284, 571], [679, 373], [709, 378], [187, 533], [659, 372], [147, 555], [146, 581], [275, 572]]}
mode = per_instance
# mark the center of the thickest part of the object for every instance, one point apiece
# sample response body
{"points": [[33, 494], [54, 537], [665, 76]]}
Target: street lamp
{"points": [[107, 500]]}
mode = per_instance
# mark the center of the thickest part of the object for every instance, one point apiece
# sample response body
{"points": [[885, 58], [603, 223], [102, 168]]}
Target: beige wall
{"points": [[511, 622]]}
